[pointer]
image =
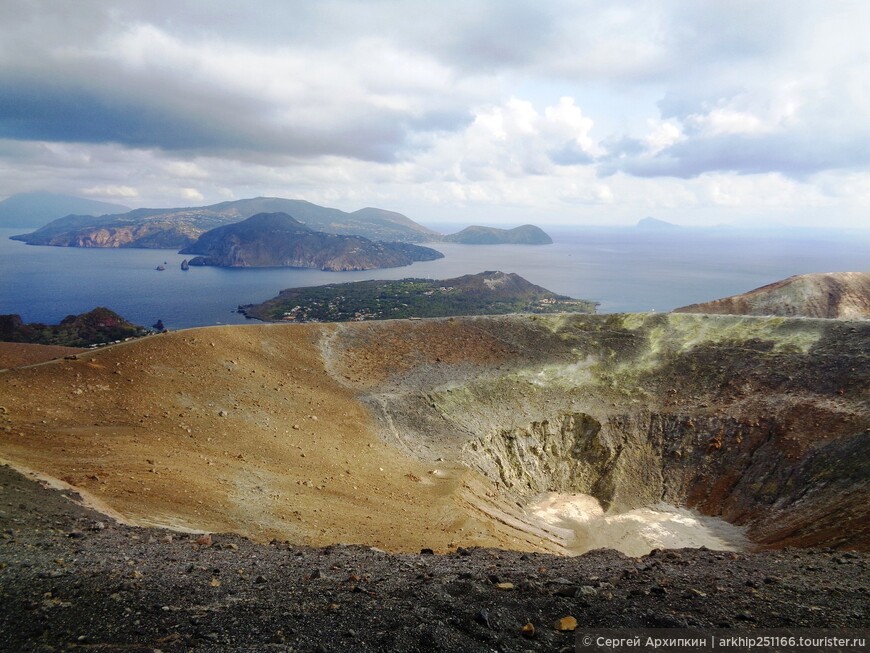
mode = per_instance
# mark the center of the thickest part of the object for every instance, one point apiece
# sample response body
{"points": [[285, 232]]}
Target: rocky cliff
{"points": [[843, 295], [278, 240]]}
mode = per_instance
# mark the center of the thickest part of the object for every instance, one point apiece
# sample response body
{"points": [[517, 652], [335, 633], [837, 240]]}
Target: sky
{"points": [[492, 112]]}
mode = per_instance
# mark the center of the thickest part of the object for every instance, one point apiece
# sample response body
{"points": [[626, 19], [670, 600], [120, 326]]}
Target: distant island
{"points": [[838, 295], [487, 293], [99, 326], [180, 227], [527, 234], [279, 240], [654, 224]]}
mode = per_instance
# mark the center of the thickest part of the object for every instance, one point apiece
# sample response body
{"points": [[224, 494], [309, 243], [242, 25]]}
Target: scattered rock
{"points": [[482, 617], [505, 586], [204, 540], [528, 630], [568, 623]]}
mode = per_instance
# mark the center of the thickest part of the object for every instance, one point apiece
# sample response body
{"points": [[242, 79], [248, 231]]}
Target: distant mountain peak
{"points": [[36, 208], [655, 223]]}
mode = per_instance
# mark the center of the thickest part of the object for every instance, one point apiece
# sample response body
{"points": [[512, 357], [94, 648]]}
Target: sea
{"points": [[625, 269]]}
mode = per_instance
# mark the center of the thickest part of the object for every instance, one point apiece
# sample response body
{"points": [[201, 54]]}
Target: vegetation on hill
{"points": [[487, 293], [98, 326], [527, 234], [278, 240]]}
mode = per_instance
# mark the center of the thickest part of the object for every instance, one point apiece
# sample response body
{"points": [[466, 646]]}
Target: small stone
{"points": [[223, 413], [463, 551], [260, 579], [588, 590], [482, 617], [204, 540], [427, 552], [75, 534], [569, 591], [316, 574], [528, 630], [566, 624], [505, 586], [215, 582], [166, 539], [98, 526]]}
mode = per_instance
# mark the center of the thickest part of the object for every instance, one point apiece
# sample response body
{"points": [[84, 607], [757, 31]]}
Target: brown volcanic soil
{"points": [[19, 354], [236, 429], [843, 295], [70, 579]]}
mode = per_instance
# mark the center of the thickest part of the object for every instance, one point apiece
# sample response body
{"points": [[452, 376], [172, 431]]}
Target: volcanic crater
{"points": [[451, 432]]}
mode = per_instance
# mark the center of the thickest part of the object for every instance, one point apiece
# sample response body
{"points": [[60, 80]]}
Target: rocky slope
{"points": [[476, 235], [278, 240], [844, 295], [179, 227], [70, 578]]}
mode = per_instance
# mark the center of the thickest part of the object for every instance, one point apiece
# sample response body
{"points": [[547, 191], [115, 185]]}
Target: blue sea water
{"points": [[625, 269]]}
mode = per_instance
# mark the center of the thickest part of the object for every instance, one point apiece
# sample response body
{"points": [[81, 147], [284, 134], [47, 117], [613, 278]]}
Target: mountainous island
{"points": [[98, 326], [843, 295], [36, 208], [279, 240], [487, 293], [654, 224], [180, 227], [527, 234]]}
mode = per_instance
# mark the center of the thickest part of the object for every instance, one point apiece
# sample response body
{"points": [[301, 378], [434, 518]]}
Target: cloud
{"points": [[115, 192], [479, 105]]}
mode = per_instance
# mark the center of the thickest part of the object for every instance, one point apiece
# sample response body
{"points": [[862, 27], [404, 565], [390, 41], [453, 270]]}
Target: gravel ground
{"points": [[72, 579]]}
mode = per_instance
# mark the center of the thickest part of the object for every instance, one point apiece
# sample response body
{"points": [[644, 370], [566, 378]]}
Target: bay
{"points": [[625, 269]]}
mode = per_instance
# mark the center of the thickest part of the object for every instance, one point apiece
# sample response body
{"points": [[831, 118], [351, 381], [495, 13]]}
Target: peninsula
{"points": [[279, 240], [487, 293]]}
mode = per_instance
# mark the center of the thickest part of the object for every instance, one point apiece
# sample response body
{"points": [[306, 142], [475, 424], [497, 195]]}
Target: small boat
{"points": [[160, 268]]}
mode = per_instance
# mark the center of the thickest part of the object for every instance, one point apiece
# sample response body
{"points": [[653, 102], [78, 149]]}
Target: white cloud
{"points": [[114, 192], [191, 194]]}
